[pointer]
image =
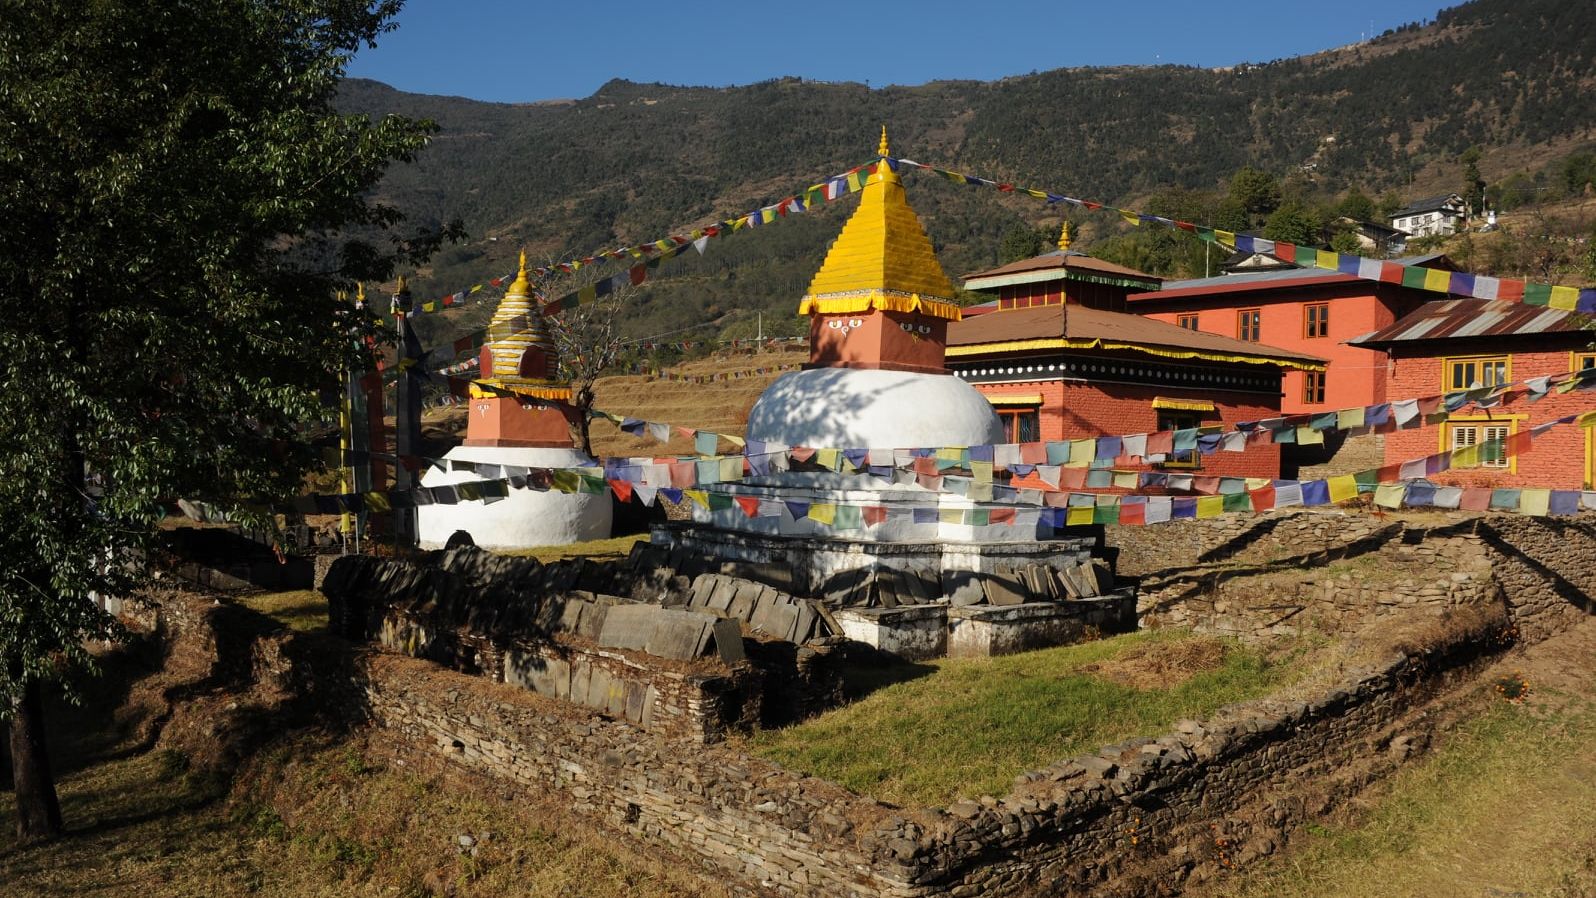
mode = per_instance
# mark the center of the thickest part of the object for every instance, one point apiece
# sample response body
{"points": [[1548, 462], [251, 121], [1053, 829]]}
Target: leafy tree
{"points": [[1345, 241], [1579, 172], [1473, 184], [1356, 205], [1256, 192], [1022, 242], [1295, 223], [1390, 202], [181, 203]]}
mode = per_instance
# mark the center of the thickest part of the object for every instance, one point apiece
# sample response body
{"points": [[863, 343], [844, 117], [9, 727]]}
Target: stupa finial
{"points": [[522, 272], [882, 150], [1064, 237]]}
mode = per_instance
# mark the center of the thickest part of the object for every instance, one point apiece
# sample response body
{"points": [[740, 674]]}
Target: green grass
{"points": [[614, 547], [969, 727], [300, 609], [1502, 808]]}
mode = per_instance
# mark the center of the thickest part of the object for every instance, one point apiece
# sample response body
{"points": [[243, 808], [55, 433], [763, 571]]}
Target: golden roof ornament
{"points": [[882, 259], [1064, 237], [522, 351]]}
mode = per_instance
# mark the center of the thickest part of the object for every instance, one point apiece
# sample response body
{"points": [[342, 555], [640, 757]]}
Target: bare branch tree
{"points": [[589, 342]]}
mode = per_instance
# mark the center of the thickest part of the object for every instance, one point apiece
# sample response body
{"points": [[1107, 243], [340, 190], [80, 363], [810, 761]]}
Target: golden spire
{"points": [[360, 292], [882, 150], [517, 326], [882, 258], [1064, 237]]}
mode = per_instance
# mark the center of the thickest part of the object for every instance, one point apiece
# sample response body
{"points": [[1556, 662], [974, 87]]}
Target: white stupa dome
{"points": [[852, 408]]}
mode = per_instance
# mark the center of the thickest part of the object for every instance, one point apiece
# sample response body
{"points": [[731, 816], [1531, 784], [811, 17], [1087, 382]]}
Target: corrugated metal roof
{"points": [[1460, 318], [1281, 277]]}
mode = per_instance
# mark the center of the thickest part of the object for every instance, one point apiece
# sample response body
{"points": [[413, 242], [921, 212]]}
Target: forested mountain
{"points": [[636, 161]]}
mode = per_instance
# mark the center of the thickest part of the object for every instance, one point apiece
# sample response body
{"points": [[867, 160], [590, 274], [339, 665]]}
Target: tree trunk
{"points": [[38, 809]]}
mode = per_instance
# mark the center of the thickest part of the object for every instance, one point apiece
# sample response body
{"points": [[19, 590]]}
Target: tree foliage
{"points": [[181, 203]]}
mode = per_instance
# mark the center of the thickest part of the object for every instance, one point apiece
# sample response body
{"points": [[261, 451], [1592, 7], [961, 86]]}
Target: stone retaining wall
{"points": [[1147, 812]]}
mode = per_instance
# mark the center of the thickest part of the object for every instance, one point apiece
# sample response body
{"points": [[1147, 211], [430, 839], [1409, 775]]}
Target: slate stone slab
{"points": [[545, 676], [742, 604], [1102, 576], [804, 626], [727, 635], [636, 694], [725, 591], [1003, 588], [629, 626], [678, 634]]}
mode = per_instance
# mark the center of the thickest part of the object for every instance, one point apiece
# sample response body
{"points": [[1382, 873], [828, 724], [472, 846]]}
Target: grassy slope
{"points": [[970, 726], [1503, 808]]}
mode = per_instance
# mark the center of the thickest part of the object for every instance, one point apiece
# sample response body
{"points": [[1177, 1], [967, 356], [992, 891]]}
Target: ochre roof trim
{"points": [[882, 301], [1065, 343]]}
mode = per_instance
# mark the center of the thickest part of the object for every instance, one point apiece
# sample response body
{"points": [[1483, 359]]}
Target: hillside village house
{"points": [[1302, 312], [1431, 216], [1059, 359], [1461, 343]]}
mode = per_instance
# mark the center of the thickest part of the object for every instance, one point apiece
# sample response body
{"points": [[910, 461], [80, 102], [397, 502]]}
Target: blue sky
{"points": [[510, 51]]}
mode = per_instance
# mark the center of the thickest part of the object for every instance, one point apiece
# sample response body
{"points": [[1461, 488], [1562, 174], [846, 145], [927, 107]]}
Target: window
{"points": [[1247, 322], [1179, 421], [1020, 425], [1313, 386], [1188, 322], [1316, 320], [1464, 435], [1584, 361], [1466, 374]]}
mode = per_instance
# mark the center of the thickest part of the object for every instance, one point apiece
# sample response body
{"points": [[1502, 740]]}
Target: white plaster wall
{"points": [[849, 408], [528, 517]]}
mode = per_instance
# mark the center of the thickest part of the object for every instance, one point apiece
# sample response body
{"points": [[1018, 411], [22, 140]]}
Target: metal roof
{"points": [[1289, 277], [1458, 318]]}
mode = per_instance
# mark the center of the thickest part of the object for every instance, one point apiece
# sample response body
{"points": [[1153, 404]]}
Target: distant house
{"points": [[1431, 216], [1375, 240], [1457, 344]]}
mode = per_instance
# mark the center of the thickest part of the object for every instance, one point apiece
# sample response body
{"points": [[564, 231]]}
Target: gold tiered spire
{"points": [[517, 328], [882, 259], [1064, 237]]}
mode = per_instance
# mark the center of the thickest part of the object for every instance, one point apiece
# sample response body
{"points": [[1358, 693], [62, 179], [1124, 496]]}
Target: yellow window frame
{"points": [[1510, 421], [1577, 360], [1448, 361]]}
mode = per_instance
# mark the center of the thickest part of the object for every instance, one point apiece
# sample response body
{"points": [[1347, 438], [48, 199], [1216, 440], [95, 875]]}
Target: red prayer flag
{"points": [[749, 504], [1208, 486], [1033, 453], [623, 489], [873, 514], [1071, 478], [1133, 513], [1263, 498], [1475, 499], [1001, 516], [1161, 443], [1517, 444]]}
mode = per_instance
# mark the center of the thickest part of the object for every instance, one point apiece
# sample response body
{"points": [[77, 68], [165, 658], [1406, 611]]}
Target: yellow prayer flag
{"points": [[1536, 502], [1258, 483], [824, 512], [731, 468], [981, 471], [980, 492], [1210, 506], [1125, 480], [950, 453], [739, 442], [1082, 452], [1307, 436], [1565, 298], [1437, 280], [1080, 515], [698, 497], [1226, 237], [1389, 495], [1343, 488], [830, 459], [1349, 417], [1466, 457], [378, 502], [951, 515], [1131, 217], [1328, 259]]}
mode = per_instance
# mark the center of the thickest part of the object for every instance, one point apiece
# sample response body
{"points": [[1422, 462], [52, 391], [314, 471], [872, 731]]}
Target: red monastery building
{"points": [[1304, 311], [1463, 343], [1060, 360]]}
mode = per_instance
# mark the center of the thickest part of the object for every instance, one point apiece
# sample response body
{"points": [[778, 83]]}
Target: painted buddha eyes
{"points": [[911, 328], [854, 322], [837, 324]]}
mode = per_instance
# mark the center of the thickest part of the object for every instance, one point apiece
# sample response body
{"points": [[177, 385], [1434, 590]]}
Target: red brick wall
{"points": [[1559, 458], [1354, 377], [1073, 411]]}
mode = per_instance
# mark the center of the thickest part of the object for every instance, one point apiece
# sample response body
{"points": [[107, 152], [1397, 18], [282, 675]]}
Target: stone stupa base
{"points": [[527, 518]]}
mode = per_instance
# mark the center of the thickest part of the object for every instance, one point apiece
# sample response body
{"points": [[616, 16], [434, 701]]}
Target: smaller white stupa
{"points": [[524, 422]]}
